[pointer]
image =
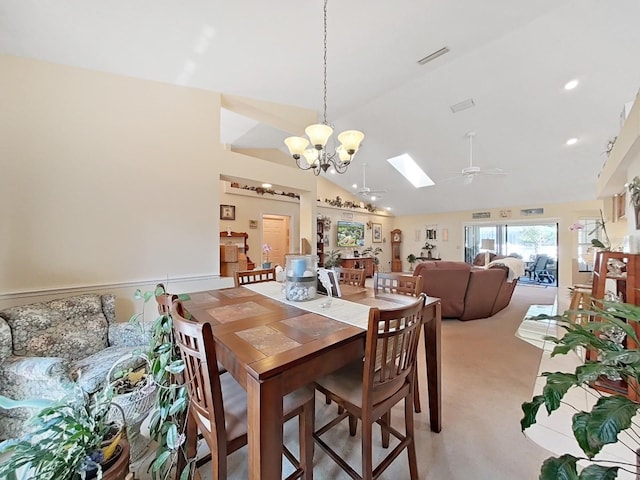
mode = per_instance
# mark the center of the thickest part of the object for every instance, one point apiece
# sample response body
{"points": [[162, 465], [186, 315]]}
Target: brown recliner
{"points": [[466, 292], [447, 281], [482, 291]]}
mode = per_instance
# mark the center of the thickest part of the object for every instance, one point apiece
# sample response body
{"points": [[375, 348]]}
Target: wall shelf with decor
{"points": [[625, 151], [618, 273], [320, 242]]}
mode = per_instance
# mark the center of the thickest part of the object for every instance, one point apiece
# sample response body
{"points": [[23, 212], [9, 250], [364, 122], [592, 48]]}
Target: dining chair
{"points": [[351, 276], [402, 285], [367, 390], [245, 277], [397, 283], [218, 404]]}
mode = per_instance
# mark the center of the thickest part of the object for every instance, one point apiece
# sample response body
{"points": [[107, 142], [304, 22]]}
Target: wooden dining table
{"points": [[273, 347]]}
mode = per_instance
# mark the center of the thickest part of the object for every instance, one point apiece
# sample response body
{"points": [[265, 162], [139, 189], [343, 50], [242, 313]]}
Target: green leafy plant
{"points": [[634, 191], [601, 225], [411, 258], [611, 414], [167, 423], [372, 252], [332, 259], [66, 438]]}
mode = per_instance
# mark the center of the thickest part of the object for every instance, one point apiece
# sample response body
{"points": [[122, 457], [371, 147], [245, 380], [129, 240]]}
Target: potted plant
{"points": [[332, 259], [266, 250], [71, 439], [610, 415], [370, 251], [167, 422], [634, 198], [411, 258]]}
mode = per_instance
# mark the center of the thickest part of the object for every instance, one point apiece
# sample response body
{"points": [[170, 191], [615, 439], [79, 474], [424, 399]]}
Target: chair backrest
{"points": [[351, 276], [245, 277], [540, 263], [397, 283], [393, 335], [197, 347]]}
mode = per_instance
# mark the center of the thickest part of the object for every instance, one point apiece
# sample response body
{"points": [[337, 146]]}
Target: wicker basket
{"points": [[136, 405]]}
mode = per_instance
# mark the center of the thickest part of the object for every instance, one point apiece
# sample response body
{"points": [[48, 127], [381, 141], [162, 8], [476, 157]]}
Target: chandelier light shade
{"points": [[313, 153]]}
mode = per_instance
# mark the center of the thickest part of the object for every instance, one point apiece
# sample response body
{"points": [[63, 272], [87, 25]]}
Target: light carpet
{"points": [[487, 372]]}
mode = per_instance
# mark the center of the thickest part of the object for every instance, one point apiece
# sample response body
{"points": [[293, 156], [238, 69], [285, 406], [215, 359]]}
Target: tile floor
{"points": [[553, 432]]}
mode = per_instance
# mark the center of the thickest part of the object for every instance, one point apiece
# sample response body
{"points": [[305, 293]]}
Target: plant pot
{"points": [[429, 254], [118, 467], [636, 211], [266, 265]]}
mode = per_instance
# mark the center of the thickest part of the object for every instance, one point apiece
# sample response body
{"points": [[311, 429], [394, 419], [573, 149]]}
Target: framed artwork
{"points": [[227, 212], [253, 224], [377, 233]]}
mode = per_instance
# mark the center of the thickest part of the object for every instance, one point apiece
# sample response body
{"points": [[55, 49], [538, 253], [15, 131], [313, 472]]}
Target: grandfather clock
{"points": [[396, 259]]}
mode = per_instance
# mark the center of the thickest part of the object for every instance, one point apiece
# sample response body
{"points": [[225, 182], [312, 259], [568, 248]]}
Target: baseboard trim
{"points": [[102, 286]]}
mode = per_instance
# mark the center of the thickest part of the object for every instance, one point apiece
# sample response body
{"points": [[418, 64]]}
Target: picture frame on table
{"points": [[376, 232], [227, 212]]}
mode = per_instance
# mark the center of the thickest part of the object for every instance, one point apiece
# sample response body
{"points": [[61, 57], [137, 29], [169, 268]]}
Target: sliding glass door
{"points": [[523, 240]]}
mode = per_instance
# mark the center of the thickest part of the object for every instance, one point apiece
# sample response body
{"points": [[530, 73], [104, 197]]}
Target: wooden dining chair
{"points": [[397, 283], [351, 276], [402, 285], [245, 277], [368, 390], [218, 404]]}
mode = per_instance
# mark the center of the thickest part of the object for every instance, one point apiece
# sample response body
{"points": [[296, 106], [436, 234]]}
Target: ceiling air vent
{"points": [[433, 56], [458, 107]]}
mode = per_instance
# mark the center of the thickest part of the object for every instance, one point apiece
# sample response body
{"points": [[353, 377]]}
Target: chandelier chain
{"points": [[325, 63]]}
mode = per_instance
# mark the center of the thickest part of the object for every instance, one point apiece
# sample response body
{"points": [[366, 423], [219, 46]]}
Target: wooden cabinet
{"points": [[234, 254], [359, 262], [618, 273], [320, 243]]}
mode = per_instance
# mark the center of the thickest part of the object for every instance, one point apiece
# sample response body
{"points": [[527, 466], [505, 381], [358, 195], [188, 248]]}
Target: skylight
{"points": [[410, 170]]}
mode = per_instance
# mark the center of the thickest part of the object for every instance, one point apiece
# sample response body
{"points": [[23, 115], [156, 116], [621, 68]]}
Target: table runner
{"points": [[341, 310]]}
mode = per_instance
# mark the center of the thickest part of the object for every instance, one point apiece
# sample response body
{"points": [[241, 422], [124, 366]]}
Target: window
{"points": [[588, 232]]}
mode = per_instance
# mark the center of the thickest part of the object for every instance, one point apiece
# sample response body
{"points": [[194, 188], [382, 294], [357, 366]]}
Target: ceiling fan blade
{"points": [[493, 171]]}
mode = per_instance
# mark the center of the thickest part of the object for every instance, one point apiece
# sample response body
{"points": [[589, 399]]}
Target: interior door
{"points": [[275, 232]]}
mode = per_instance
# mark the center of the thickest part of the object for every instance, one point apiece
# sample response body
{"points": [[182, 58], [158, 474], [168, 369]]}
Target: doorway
{"points": [[276, 234]]}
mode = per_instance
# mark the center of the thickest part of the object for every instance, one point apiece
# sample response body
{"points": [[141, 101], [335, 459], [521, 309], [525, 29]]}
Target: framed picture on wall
{"points": [[227, 212], [376, 232]]}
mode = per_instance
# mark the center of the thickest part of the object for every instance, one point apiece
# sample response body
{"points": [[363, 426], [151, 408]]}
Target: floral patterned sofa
{"points": [[49, 349]]}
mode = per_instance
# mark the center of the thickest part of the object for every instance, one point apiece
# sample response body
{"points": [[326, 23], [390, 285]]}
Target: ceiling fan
{"points": [[469, 173], [365, 191]]}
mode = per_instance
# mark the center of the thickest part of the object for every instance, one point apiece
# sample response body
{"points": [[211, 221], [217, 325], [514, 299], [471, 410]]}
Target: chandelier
{"points": [[317, 157]]}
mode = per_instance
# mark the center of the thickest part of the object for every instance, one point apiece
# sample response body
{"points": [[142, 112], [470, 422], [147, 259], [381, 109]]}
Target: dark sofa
{"points": [[466, 292]]}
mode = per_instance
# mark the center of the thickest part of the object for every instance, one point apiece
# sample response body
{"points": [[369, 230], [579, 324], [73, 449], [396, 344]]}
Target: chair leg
{"points": [[353, 425], [305, 435], [416, 394], [367, 449], [411, 447], [386, 421]]}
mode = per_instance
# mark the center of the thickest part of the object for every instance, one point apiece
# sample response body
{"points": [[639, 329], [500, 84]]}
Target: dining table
{"points": [[273, 346]]}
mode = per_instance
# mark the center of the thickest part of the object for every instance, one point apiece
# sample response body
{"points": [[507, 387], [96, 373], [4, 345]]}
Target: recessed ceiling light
{"points": [[572, 141], [410, 170], [355, 185], [388, 209], [266, 185], [570, 85], [333, 170], [373, 198]]}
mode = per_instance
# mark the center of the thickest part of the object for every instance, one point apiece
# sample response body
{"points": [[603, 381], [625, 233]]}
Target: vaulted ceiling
{"points": [[512, 58]]}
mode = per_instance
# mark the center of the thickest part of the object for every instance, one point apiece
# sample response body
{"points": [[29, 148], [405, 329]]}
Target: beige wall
{"points": [[112, 183]]}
